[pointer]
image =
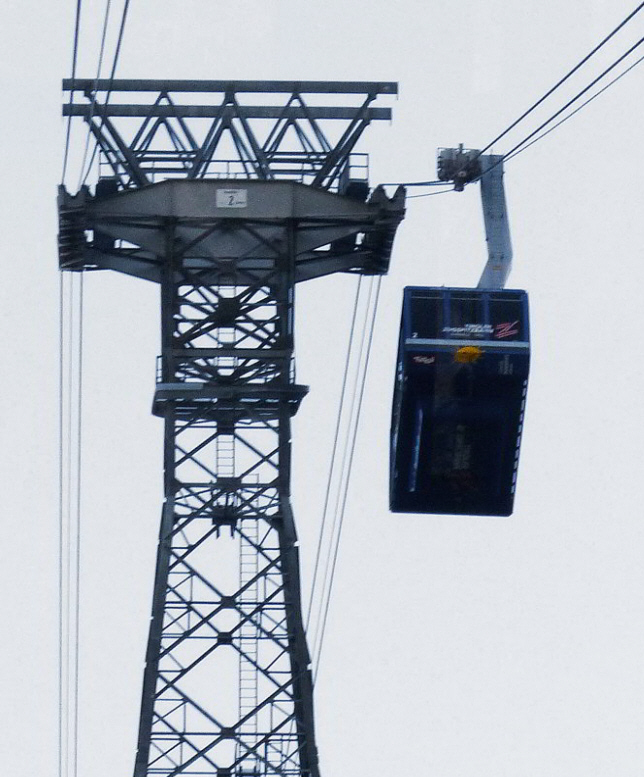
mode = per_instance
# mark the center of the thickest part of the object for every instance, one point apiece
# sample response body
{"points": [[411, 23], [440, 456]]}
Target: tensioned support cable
{"points": [[338, 480], [110, 81], [562, 80], [62, 770], [334, 456], [542, 99], [522, 148], [515, 150], [69, 517], [71, 96], [366, 341], [84, 174]]}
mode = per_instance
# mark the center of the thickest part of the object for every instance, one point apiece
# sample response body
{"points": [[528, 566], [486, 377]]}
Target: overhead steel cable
{"points": [[348, 465], [69, 511], [414, 183], [524, 143], [430, 194], [572, 113], [577, 96], [68, 506], [61, 537], [338, 483], [561, 81], [71, 95], [332, 469], [65, 570], [103, 108], [71, 673], [535, 105], [77, 517], [83, 176], [337, 473], [340, 493]]}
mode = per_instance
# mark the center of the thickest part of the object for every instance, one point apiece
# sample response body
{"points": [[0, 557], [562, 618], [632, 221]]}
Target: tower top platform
{"points": [[151, 129]]}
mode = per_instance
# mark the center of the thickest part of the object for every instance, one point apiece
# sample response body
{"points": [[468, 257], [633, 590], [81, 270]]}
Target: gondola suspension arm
{"points": [[462, 166]]}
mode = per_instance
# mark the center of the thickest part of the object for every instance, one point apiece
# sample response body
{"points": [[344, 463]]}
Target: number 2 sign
{"points": [[232, 198]]}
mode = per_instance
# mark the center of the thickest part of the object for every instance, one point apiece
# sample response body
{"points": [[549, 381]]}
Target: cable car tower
{"points": [[226, 194]]}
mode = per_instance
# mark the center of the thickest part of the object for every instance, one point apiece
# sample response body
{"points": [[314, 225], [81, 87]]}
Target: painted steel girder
{"points": [[287, 138], [333, 233], [186, 86], [242, 401], [227, 686], [216, 630], [215, 111]]}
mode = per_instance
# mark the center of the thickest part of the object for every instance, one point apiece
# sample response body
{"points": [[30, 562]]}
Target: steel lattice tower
{"points": [[227, 205]]}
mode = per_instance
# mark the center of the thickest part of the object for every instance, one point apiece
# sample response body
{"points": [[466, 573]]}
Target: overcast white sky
{"points": [[456, 647]]}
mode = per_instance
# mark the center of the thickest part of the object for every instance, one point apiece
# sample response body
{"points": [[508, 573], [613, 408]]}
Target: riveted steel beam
{"points": [[269, 87], [213, 111]]}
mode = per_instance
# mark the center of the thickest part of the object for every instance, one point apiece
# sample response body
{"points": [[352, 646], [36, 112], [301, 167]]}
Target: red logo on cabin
{"points": [[508, 329]]}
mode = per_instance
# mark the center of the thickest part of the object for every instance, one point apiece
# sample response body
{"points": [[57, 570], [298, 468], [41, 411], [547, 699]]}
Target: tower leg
{"points": [[227, 686]]}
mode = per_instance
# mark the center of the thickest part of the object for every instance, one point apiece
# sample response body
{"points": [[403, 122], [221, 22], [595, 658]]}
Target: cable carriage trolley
{"points": [[462, 374]]}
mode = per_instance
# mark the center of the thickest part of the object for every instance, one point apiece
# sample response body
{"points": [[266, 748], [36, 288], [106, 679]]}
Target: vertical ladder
{"points": [[249, 638]]}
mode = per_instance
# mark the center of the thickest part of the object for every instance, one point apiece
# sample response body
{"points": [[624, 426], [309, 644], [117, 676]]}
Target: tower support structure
{"points": [[227, 687]]}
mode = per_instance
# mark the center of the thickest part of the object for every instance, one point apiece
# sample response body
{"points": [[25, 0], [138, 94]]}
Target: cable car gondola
{"points": [[459, 400]]}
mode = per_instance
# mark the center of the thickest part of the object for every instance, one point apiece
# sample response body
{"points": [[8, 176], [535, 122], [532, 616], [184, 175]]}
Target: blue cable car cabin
{"points": [[459, 399]]}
